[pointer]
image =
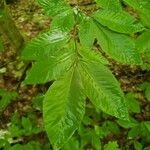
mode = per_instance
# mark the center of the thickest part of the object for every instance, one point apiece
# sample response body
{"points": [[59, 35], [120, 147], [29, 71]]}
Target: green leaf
{"points": [[147, 148], [132, 103], [112, 127], [28, 146], [134, 3], [26, 124], [128, 124], [64, 108], [102, 89], [147, 93], [92, 55], [111, 146], [6, 97], [64, 21], [120, 22], [143, 8], [50, 69], [53, 57], [33, 145], [95, 141], [110, 4], [37, 102], [53, 7], [134, 132], [87, 29], [118, 46], [145, 130], [143, 42], [45, 45], [137, 145], [16, 147], [146, 88], [73, 144]]}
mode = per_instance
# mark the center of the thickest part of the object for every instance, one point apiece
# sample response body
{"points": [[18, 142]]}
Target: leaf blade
{"points": [[110, 4], [66, 108], [120, 22], [45, 45], [53, 7], [103, 90]]}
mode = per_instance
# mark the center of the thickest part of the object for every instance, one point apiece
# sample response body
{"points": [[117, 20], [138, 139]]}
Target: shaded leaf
{"points": [[128, 124], [6, 97], [143, 41], [111, 146], [137, 145], [132, 103]]}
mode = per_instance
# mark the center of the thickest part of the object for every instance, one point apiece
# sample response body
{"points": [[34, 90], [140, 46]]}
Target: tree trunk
{"points": [[9, 29]]}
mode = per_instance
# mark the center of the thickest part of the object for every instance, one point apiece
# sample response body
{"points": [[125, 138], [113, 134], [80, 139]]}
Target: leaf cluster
{"points": [[66, 55]]}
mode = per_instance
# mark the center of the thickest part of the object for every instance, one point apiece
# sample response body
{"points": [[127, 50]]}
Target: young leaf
{"points": [[102, 89], [120, 22], [63, 108]]}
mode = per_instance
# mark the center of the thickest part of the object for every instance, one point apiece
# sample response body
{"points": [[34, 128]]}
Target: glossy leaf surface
{"points": [[114, 5], [53, 7], [119, 46], [120, 22], [102, 89], [64, 108]]}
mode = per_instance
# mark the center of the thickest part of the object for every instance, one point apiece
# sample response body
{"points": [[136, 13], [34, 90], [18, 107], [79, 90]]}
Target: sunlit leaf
{"points": [[64, 108]]}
